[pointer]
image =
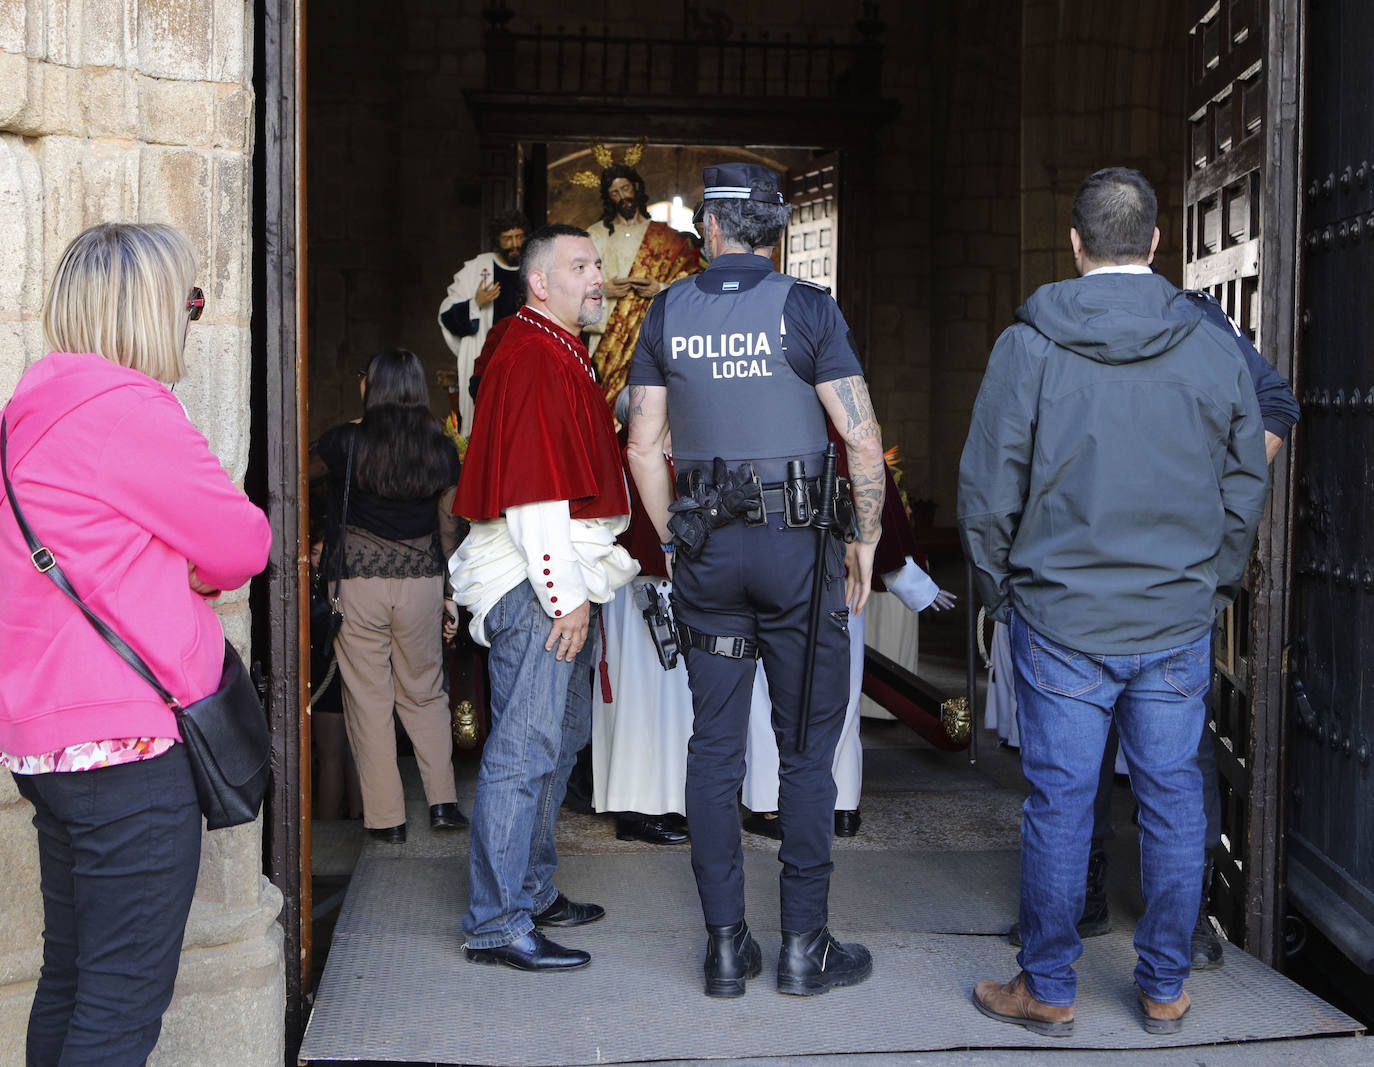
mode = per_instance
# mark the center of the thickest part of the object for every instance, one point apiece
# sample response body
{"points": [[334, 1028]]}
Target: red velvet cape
{"points": [[541, 429]]}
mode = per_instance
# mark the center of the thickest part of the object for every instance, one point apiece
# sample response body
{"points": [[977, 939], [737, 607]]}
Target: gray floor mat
{"points": [[397, 988]]}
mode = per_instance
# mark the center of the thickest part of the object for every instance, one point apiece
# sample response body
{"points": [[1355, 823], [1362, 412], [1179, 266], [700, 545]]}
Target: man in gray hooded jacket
{"points": [[1109, 492]]}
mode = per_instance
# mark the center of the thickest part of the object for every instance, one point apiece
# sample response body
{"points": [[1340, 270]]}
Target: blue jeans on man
{"points": [[1065, 701], [540, 717]]}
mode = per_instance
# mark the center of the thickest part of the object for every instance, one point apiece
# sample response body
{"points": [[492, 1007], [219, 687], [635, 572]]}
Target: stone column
{"points": [[143, 111]]}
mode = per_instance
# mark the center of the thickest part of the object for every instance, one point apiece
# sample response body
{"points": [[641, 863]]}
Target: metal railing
{"points": [[585, 61]]}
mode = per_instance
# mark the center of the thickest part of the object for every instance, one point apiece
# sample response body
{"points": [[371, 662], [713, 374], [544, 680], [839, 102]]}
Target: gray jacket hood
{"points": [[1112, 318]]}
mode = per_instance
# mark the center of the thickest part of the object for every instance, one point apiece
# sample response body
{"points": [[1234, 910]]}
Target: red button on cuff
{"points": [[553, 600], [558, 613]]}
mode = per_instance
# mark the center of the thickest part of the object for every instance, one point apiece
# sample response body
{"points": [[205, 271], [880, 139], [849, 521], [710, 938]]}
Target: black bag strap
{"points": [[46, 563], [338, 561]]}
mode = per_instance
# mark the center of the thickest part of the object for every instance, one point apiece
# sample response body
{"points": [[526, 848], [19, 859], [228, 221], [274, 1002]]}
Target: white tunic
{"points": [[466, 349], [639, 737], [889, 626]]}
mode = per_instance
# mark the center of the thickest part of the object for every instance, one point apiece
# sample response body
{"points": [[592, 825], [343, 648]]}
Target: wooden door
{"points": [[811, 244], [1240, 207], [1331, 825]]}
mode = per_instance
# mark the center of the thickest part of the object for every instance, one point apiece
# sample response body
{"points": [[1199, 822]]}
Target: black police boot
{"points": [[732, 957], [814, 962], [1096, 920], [1207, 951]]}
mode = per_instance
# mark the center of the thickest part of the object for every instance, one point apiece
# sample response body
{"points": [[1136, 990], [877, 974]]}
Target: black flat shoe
{"points": [[446, 817], [755, 823], [533, 952], [847, 823], [565, 912], [392, 835], [651, 829]]}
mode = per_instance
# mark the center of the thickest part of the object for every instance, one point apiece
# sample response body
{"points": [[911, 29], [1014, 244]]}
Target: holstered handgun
{"points": [[661, 630]]}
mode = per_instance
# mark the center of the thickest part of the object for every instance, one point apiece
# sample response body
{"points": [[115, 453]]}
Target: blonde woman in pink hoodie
{"points": [[114, 479]]}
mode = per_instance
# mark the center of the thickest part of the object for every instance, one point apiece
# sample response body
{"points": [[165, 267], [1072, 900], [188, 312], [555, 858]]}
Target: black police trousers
{"points": [[755, 582]]}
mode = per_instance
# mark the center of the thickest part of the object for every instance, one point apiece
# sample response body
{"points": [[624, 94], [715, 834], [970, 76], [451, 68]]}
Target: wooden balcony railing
{"points": [[588, 62]]}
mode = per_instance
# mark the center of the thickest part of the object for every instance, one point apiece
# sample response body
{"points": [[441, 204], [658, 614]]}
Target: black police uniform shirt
{"points": [[816, 343]]}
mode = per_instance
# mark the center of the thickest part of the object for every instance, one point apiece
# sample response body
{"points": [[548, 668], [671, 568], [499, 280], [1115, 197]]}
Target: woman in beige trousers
{"points": [[390, 646]]}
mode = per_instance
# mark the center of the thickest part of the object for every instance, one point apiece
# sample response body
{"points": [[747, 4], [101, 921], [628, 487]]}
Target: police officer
{"points": [[744, 365]]}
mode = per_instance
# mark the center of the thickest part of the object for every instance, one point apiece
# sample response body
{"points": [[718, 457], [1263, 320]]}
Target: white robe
{"points": [[639, 739], [467, 349], [760, 792], [889, 625]]}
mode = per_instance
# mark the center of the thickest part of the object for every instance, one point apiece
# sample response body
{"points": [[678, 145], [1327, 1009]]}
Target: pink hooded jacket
{"points": [[112, 476]]}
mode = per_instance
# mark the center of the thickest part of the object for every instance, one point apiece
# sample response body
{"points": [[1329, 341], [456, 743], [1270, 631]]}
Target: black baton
{"points": [[823, 518]]}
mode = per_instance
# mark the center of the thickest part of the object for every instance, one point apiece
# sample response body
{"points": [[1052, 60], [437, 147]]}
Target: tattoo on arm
{"points": [[863, 442], [636, 400]]}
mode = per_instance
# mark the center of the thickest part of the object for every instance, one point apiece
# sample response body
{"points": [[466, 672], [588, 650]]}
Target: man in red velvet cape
{"points": [[544, 488]]}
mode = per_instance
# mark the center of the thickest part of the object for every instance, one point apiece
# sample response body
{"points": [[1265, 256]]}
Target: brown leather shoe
{"points": [[1162, 1018], [1012, 1003]]}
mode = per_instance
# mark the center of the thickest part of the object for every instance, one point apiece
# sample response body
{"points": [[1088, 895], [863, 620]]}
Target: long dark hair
{"points": [[403, 453], [610, 174]]}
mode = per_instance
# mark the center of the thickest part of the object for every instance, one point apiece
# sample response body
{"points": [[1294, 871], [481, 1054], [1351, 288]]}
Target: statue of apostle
{"points": [[639, 259], [485, 291]]}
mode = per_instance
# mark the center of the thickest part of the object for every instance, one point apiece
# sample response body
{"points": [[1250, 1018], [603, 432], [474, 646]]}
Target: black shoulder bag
{"points": [[226, 734]]}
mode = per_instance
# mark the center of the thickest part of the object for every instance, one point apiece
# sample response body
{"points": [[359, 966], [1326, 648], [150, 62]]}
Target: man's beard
{"points": [[587, 316], [510, 258], [627, 209]]}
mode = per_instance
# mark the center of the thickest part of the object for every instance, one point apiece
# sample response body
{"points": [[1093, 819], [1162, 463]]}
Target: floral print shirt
{"points": [[88, 755]]}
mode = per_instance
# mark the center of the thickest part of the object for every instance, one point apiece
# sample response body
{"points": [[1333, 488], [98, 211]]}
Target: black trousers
{"points": [[755, 582], [1211, 793], [118, 853]]}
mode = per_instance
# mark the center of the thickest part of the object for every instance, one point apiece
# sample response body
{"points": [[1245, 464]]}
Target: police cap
{"points": [[735, 181]]}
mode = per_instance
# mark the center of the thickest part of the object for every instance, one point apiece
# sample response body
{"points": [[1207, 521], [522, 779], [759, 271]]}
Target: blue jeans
{"points": [[118, 854], [1065, 702], [541, 714]]}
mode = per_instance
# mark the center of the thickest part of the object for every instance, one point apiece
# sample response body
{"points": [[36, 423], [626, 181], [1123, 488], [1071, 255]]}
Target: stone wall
{"points": [[975, 240], [123, 110]]}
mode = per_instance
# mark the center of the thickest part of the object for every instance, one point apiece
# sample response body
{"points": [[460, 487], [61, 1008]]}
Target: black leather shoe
{"points": [[732, 957], [565, 912], [533, 952], [651, 829], [756, 823], [814, 962], [847, 823], [446, 817], [392, 835]]}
